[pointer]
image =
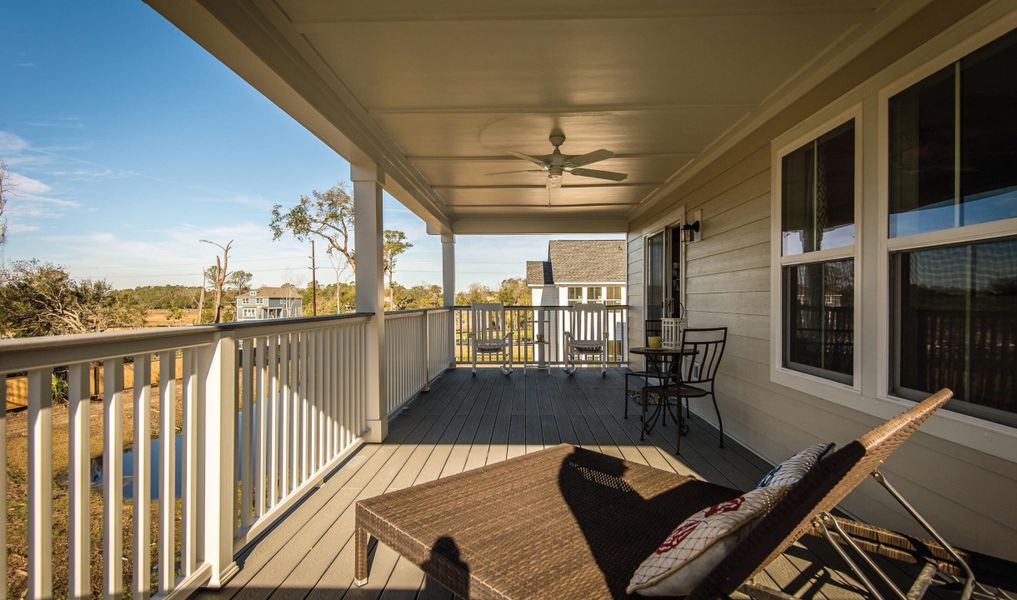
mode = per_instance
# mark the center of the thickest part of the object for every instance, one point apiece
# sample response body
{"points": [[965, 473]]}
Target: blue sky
{"points": [[128, 143]]}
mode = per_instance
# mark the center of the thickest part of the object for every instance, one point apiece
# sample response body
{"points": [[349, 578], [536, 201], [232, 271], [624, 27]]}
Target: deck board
{"points": [[468, 421]]}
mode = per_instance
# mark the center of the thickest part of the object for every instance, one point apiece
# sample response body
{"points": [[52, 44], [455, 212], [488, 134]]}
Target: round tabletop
{"points": [[647, 351]]}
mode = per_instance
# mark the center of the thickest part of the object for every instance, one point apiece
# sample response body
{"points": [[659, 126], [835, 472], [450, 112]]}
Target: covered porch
{"points": [[284, 425]]}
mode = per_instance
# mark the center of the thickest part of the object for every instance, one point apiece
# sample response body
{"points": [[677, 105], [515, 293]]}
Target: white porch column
{"points": [[448, 268], [370, 288], [448, 288]]}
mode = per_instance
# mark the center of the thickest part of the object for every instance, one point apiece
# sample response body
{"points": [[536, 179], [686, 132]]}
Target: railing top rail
{"points": [[49, 351], [415, 311], [551, 307]]}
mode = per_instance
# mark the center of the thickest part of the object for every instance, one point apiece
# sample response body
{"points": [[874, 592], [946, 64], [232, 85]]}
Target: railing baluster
{"points": [[246, 428], [302, 439], [167, 469], [272, 427], [189, 470], [142, 474], [79, 467], [261, 416], [40, 483], [285, 418], [113, 478]]}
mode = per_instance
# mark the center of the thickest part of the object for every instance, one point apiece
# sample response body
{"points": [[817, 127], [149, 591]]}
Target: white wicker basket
{"points": [[671, 331]]}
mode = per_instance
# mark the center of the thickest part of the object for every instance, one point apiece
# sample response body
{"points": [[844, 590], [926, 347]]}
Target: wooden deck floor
{"points": [[466, 422]]}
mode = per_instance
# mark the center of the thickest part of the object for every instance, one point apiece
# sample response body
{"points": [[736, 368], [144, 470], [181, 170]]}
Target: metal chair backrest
{"points": [[588, 321], [708, 345], [488, 320]]}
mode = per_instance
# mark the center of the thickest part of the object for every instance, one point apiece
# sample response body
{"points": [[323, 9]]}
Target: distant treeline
{"points": [[165, 297]]}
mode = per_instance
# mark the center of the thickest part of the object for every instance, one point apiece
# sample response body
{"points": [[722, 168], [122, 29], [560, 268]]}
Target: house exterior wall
{"points": [[728, 283], [258, 308]]}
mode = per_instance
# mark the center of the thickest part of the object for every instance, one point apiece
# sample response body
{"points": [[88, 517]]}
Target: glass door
{"points": [[655, 277]]}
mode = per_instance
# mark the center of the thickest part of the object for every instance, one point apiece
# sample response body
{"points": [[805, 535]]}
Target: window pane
{"points": [[922, 156], [797, 201], [819, 322], [593, 294], [835, 188], [956, 325], [818, 193], [614, 294], [575, 295], [989, 133]]}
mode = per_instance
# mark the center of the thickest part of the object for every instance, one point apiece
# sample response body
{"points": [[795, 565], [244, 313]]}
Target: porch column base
{"points": [[376, 431]]}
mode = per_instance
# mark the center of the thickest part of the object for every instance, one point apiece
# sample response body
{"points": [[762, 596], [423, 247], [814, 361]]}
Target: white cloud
{"points": [[11, 144]]}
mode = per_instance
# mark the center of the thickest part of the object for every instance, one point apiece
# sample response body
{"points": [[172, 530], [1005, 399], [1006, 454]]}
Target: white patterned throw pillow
{"points": [[696, 546], [793, 469]]}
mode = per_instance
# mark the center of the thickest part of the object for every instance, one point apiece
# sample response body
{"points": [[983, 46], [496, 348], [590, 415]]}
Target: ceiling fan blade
{"points": [[553, 182], [590, 157], [611, 175], [533, 159], [517, 171]]}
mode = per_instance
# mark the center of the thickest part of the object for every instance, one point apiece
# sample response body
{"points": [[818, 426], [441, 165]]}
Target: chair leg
{"points": [[626, 396], [720, 422], [642, 416], [603, 361], [474, 353]]}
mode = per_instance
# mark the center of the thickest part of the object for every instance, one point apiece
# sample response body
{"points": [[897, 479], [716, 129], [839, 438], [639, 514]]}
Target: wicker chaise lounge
{"points": [[571, 523]]}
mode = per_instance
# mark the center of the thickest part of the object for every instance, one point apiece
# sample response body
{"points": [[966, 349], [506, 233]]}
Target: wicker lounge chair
{"points": [[571, 523]]}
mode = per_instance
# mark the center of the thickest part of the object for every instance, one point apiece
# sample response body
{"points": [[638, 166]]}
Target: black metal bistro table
{"points": [[663, 364]]}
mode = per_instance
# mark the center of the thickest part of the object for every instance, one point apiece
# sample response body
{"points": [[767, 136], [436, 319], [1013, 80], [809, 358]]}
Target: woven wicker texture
{"points": [[819, 491], [560, 523]]}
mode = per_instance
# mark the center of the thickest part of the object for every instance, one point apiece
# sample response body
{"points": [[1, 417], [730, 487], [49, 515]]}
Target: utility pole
{"points": [[314, 283]]}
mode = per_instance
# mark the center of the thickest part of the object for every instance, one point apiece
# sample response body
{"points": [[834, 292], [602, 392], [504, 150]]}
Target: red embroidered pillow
{"points": [[700, 543]]}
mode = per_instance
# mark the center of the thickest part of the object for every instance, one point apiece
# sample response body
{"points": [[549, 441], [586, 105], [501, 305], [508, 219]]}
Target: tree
{"points": [[6, 185], [219, 273], [513, 291], [325, 215], [395, 244], [475, 293], [43, 299]]}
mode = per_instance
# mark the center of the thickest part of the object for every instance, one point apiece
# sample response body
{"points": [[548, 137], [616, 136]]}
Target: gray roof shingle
{"points": [[579, 261]]}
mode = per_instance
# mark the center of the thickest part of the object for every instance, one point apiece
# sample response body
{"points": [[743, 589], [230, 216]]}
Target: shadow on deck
{"points": [[466, 422]]}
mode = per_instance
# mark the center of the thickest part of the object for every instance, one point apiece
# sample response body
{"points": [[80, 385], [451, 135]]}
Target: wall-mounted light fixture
{"points": [[690, 231]]}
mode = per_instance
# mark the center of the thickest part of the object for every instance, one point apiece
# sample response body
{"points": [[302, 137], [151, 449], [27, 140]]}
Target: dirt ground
{"points": [[17, 495]]}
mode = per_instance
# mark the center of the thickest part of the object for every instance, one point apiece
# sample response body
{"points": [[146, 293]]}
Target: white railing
{"points": [[547, 324], [264, 411], [418, 348]]}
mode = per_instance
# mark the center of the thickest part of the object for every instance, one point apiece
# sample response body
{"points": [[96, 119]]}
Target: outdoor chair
{"points": [[490, 334], [698, 376], [566, 522], [586, 336]]}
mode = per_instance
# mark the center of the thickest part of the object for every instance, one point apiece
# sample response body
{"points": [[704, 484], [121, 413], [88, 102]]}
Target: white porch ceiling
{"points": [[438, 91]]}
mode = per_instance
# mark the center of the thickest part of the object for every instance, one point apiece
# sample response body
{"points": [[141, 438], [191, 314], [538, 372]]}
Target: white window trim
{"points": [[985, 24], [930, 239], [807, 131]]}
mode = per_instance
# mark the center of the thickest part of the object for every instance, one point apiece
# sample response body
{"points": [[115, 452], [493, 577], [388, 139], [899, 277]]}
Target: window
{"points": [[952, 146], [575, 295], [953, 296], [249, 313], [817, 196], [594, 294], [614, 295], [955, 325]]}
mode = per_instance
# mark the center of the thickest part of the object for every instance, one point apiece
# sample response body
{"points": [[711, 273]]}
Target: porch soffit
{"points": [[439, 92]]}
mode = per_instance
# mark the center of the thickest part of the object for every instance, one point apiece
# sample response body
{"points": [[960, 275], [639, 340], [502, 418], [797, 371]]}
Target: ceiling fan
{"points": [[557, 164]]}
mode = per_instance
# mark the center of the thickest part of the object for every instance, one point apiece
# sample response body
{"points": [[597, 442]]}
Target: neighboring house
{"points": [[578, 271], [269, 303]]}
